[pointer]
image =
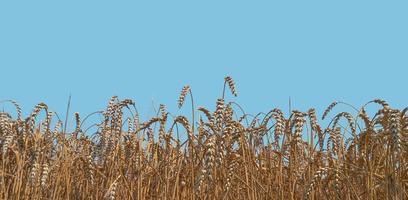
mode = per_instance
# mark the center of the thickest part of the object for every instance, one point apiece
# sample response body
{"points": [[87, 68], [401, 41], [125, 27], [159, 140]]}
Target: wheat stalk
{"points": [[183, 95], [231, 85]]}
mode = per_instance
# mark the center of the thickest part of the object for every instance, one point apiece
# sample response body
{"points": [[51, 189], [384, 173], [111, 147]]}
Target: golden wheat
{"points": [[230, 155]]}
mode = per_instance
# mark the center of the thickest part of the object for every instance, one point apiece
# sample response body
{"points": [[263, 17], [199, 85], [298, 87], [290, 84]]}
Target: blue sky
{"points": [[314, 52]]}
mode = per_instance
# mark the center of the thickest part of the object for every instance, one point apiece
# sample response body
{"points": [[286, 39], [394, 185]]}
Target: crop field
{"points": [[210, 153]]}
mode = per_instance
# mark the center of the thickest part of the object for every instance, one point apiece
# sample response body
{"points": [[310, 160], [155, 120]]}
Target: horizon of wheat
{"points": [[227, 154]]}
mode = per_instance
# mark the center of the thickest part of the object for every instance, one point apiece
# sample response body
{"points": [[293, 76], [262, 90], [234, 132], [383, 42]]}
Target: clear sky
{"points": [[314, 52]]}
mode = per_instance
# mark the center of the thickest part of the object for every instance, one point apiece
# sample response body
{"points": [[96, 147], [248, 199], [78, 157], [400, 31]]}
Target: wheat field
{"points": [[222, 153]]}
